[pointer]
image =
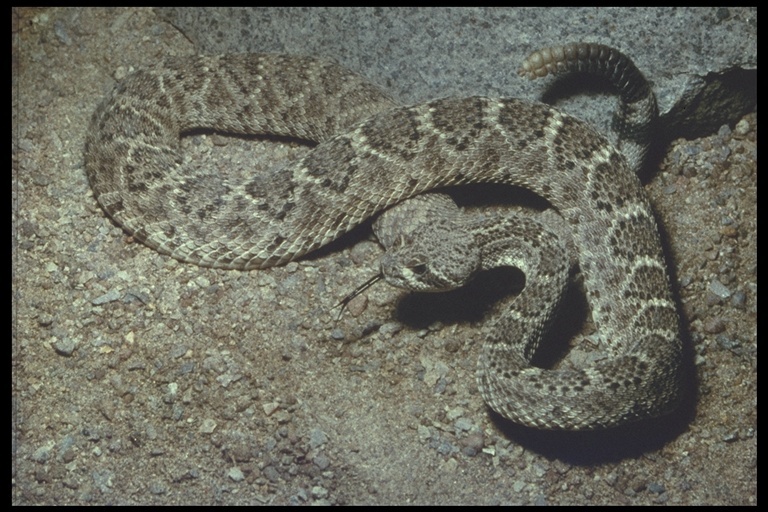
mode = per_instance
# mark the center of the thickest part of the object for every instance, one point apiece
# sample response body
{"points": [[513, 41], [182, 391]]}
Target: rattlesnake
{"points": [[374, 154]]}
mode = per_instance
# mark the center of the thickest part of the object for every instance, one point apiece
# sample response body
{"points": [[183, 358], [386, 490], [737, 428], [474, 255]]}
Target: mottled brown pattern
{"points": [[374, 154]]}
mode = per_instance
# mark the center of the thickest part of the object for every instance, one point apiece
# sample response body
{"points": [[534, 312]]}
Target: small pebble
{"points": [[65, 346], [236, 474]]}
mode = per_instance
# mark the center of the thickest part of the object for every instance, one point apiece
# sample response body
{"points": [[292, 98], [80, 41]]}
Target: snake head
{"points": [[434, 258]]}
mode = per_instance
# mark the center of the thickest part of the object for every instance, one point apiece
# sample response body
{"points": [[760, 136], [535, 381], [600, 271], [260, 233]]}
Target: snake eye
{"points": [[419, 269]]}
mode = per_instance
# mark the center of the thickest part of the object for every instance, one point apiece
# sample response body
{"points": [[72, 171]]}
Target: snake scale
{"points": [[373, 154]]}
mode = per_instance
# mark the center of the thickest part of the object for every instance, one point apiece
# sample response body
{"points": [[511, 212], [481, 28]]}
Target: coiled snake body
{"points": [[374, 154]]}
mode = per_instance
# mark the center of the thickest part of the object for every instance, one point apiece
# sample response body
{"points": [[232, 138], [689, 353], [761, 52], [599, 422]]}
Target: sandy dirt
{"points": [[141, 380]]}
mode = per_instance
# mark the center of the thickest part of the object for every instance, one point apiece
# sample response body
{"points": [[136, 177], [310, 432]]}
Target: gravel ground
{"points": [[141, 380]]}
